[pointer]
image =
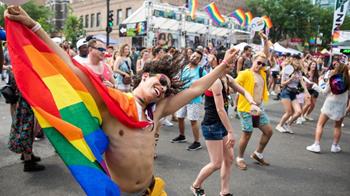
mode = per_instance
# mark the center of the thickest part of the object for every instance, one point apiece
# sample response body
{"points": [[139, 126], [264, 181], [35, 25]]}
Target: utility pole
{"points": [[109, 23]]}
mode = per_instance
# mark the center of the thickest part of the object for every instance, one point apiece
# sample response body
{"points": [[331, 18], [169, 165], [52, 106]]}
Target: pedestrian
{"points": [[83, 51], [312, 75], [144, 56], [334, 107], [291, 79], [122, 69], [218, 133], [131, 150], [189, 75]]}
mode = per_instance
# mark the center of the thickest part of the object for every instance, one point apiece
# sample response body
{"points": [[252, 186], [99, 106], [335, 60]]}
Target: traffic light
{"points": [[109, 22]]}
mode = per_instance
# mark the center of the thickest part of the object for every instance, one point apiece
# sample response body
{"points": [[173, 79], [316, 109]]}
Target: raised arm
{"points": [[198, 87], [267, 43], [17, 14]]}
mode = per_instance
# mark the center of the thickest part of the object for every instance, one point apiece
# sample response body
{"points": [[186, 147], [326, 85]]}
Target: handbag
{"points": [[9, 94]]}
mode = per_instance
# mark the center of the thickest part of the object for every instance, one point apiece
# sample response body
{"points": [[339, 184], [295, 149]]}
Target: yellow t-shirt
{"points": [[246, 80]]}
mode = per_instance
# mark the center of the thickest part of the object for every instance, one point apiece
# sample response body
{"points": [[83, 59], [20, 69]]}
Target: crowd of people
{"points": [[168, 81]]}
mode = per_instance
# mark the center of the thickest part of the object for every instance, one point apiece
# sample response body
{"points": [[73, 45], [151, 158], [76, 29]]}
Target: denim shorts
{"points": [[215, 131], [246, 120], [287, 94]]}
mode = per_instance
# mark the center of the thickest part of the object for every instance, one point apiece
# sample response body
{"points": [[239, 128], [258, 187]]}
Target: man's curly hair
{"points": [[168, 65]]}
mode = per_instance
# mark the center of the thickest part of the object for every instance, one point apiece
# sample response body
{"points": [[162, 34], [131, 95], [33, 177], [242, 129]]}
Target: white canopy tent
{"points": [[279, 48], [179, 24]]}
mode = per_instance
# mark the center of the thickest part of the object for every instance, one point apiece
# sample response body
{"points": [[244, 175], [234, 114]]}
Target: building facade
{"points": [[60, 11], [93, 13]]}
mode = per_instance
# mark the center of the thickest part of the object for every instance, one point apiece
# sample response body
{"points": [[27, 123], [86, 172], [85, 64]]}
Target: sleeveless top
{"points": [[211, 115], [105, 75], [247, 64]]}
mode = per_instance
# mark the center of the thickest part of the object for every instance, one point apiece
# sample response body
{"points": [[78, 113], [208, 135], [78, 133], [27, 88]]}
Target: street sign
{"points": [[133, 29], [258, 24], [345, 51]]}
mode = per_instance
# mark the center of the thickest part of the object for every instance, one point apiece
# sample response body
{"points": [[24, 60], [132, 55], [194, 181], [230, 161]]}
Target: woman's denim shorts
{"points": [[215, 131]]}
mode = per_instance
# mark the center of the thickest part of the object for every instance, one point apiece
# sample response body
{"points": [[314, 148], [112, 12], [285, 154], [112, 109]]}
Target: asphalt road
{"points": [[293, 170]]}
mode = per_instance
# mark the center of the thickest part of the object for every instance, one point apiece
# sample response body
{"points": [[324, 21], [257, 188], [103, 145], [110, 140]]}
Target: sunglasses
{"points": [[99, 49], [164, 82], [261, 63]]}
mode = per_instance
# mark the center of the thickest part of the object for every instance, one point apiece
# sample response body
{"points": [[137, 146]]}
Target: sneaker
{"points": [[273, 93], [288, 129], [261, 161], [335, 148], [299, 121], [194, 146], [308, 118], [167, 123], [197, 191], [280, 129], [34, 158], [342, 125], [31, 166], [303, 119], [314, 148], [179, 139], [241, 164]]}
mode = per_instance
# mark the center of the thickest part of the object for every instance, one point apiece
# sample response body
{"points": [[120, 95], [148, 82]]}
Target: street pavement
{"points": [[293, 170]]}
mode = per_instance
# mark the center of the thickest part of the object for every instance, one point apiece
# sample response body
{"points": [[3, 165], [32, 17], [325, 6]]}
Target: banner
{"points": [[133, 29], [341, 6]]}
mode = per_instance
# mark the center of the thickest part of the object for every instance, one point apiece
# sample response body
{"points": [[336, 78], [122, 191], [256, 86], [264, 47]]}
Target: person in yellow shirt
{"points": [[253, 80]]}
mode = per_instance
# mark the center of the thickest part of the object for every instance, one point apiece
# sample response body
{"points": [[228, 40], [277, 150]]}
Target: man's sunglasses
{"points": [[99, 48], [261, 63]]}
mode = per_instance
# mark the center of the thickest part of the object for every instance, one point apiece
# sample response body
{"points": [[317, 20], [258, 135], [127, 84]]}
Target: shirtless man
{"points": [[254, 81], [129, 156]]}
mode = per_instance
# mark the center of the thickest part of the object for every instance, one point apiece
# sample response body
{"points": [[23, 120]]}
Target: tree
{"points": [[296, 18], [73, 29], [39, 13]]}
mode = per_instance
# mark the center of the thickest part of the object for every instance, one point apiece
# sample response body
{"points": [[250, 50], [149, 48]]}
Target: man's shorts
{"points": [[246, 120], [215, 131], [192, 111]]}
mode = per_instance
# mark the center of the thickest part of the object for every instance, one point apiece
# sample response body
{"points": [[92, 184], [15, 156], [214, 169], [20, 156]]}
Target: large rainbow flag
{"points": [[193, 6], [239, 15], [214, 14], [248, 18], [66, 110]]}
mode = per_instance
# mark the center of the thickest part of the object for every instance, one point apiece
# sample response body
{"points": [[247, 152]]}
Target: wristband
{"points": [[36, 27]]}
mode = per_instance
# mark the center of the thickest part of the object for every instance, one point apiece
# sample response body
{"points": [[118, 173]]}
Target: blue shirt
{"points": [[190, 75]]}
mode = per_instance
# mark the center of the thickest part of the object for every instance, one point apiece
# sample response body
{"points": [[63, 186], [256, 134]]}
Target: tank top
{"points": [[105, 75], [211, 115]]}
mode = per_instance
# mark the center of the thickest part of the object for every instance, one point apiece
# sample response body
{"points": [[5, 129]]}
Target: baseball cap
{"points": [[337, 84], [81, 42]]}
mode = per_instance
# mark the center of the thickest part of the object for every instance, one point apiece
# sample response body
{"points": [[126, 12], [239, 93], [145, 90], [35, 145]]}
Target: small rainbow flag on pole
{"points": [[192, 6], [248, 18], [268, 21], [239, 15], [335, 37], [214, 14]]}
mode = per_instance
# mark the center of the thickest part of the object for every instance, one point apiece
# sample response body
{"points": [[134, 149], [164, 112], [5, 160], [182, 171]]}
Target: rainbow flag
{"points": [[214, 14], [267, 21], [335, 37], [248, 18], [239, 15], [65, 109], [192, 6]]}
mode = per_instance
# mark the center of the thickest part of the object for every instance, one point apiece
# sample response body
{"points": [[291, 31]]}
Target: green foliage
{"points": [[39, 13], [296, 18], [73, 29]]}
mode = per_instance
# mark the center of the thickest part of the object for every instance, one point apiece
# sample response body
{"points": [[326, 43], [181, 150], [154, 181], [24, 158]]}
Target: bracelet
{"points": [[36, 27], [225, 62]]}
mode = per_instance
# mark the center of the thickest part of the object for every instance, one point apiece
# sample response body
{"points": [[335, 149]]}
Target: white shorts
{"points": [[192, 111]]}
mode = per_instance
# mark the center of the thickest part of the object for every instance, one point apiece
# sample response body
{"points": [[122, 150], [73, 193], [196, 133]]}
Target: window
{"points": [[86, 21], [81, 19], [119, 16], [98, 15], [128, 12], [92, 20]]}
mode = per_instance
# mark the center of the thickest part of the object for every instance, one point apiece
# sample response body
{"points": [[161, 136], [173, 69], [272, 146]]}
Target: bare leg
{"points": [[216, 157], [320, 124], [297, 111], [195, 130], [243, 142], [226, 166], [265, 137], [181, 126], [337, 131], [288, 111]]}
